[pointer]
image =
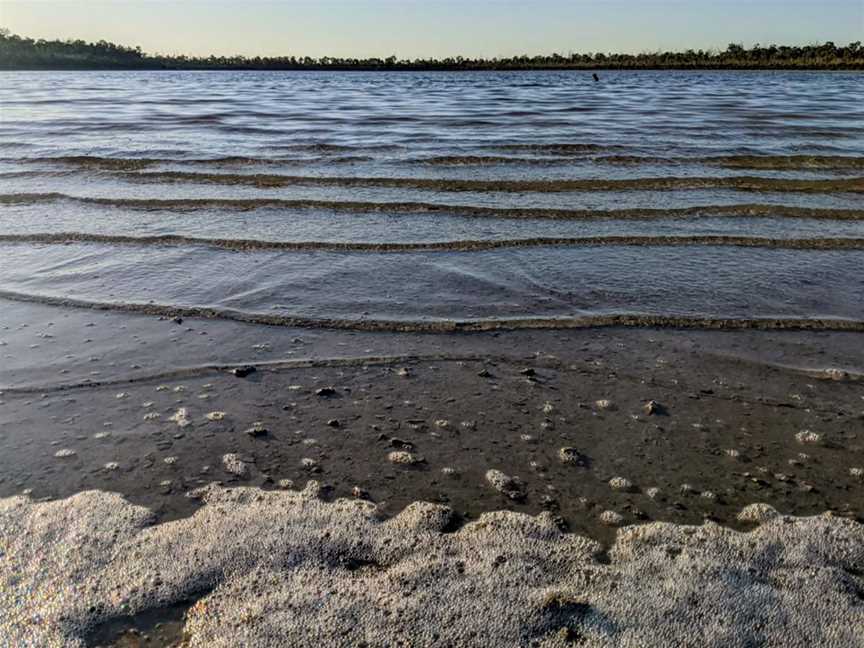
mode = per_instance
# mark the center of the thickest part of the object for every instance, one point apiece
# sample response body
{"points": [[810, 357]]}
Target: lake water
{"points": [[426, 199]]}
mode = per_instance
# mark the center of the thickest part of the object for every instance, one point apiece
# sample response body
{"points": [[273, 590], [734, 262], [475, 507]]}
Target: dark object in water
{"points": [[242, 372], [596, 78]]}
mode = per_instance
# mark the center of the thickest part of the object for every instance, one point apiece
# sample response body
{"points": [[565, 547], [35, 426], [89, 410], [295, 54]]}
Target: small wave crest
{"points": [[750, 162], [251, 245], [435, 326], [749, 210], [449, 185]]}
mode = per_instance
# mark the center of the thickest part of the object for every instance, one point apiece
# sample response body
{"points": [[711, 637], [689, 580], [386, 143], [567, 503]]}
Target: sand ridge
{"points": [[278, 568]]}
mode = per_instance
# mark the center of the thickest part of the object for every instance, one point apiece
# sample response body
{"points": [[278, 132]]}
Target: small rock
{"points": [[806, 436], [620, 484], [403, 457], [512, 487], [325, 392], [257, 430], [334, 423], [572, 456], [235, 466], [757, 513], [181, 417], [652, 407], [611, 518]]}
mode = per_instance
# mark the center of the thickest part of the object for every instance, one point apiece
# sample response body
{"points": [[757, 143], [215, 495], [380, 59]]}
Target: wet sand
{"points": [[601, 428], [727, 430]]}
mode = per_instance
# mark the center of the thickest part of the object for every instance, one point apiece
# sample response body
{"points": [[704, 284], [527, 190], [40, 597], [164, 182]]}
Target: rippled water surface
{"points": [[432, 197]]}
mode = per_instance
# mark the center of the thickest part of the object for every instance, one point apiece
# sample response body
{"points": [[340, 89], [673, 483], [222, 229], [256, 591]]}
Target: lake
{"points": [[428, 200]]}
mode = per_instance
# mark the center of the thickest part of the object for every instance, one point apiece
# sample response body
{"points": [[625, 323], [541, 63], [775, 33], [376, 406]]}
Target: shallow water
{"points": [[758, 158]]}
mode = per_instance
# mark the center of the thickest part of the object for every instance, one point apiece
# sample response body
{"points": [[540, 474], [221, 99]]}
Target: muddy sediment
{"points": [[699, 424]]}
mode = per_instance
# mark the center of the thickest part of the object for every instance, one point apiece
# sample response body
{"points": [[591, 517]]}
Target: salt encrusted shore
{"points": [[284, 568]]}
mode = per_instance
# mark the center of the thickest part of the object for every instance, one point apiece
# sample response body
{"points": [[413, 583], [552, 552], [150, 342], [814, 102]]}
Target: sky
{"points": [[436, 28]]}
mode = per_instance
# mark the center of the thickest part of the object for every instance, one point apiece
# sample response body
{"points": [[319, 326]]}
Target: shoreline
{"points": [[372, 68], [730, 408], [140, 451]]}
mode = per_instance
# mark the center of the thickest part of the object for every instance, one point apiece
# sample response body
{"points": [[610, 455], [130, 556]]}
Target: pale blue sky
{"points": [[412, 28]]}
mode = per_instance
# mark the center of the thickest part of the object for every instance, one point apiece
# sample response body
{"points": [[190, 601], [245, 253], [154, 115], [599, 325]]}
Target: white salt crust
{"points": [[283, 568]]}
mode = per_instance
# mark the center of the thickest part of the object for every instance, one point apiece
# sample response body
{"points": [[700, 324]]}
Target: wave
{"points": [[624, 320], [753, 162], [62, 238], [99, 163], [451, 185], [556, 148], [739, 183], [749, 210]]}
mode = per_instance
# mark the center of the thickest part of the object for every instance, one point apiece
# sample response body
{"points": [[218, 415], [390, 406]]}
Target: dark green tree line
{"points": [[20, 53]]}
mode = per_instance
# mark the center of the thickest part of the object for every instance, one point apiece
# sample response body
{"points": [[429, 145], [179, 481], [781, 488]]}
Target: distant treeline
{"points": [[19, 53]]}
